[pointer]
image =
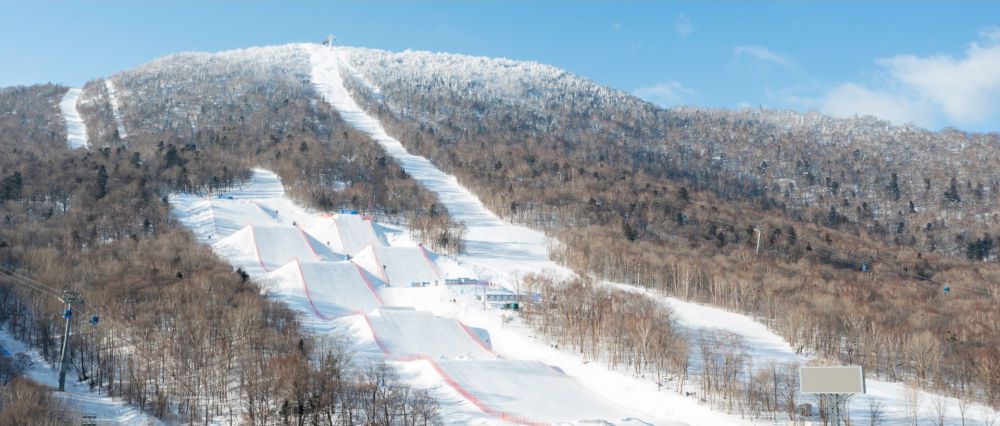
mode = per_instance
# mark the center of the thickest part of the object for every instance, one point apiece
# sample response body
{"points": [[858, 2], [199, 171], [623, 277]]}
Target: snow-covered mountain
{"points": [[873, 185]]}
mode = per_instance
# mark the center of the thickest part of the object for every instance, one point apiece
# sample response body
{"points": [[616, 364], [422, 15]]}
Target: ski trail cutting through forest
{"points": [[115, 108], [76, 128], [506, 251]]}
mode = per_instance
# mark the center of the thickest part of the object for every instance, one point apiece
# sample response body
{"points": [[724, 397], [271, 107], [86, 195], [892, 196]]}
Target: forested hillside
{"points": [[855, 240], [876, 242], [182, 335]]}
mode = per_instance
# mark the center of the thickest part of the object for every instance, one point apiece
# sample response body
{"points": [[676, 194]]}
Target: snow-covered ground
{"points": [[386, 316], [78, 396], [76, 128], [502, 252]]}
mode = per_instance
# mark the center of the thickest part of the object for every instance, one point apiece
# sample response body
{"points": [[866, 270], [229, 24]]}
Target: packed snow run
{"points": [[76, 128], [115, 108], [365, 295]]}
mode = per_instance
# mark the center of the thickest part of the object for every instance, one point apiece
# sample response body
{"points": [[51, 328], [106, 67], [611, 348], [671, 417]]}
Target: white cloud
{"points": [[764, 54], [665, 94], [849, 99], [683, 25], [961, 90]]}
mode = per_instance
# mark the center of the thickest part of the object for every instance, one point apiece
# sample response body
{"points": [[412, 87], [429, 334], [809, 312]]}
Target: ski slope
{"points": [[343, 297], [76, 128], [78, 395], [331, 289], [406, 333], [348, 233], [115, 108], [274, 246], [399, 266], [502, 251]]}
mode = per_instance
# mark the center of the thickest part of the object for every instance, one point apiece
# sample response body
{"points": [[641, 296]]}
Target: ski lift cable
{"points": [[15, 273], [50, 291], [31, 286]]}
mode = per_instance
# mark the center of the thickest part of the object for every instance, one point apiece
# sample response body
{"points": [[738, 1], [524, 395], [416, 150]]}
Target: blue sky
{"points": [[934, 64]]}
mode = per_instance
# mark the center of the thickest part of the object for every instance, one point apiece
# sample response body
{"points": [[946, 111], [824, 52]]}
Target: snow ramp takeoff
{"points": [[232, 215], [261, 249], [76, 128], [348, 233], [399, 266], [405, 333], [330, 289]]}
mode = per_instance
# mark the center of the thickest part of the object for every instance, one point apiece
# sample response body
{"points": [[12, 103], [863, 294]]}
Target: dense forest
{"points": [[876, 243]]}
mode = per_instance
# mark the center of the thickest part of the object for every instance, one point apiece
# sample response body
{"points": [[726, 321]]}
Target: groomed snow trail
{"points": [[115, 108], [76, 128], [504, 251]]}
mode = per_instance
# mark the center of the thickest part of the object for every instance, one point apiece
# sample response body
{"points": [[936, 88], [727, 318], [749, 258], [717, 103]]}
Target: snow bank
{"points": [[499, 387]]}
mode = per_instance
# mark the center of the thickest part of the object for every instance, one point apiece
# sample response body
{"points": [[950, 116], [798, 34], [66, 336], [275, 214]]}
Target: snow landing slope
{"points": [[76, 128]]}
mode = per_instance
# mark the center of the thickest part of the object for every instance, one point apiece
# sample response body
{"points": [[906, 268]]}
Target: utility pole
{"points": [[69, 298]]}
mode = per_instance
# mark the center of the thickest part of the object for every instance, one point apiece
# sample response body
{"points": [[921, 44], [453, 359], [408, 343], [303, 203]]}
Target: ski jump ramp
{"points": [[405, 333], [265, 248], [348, 233], [331, 289], [232, 215], [398, 266]]}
